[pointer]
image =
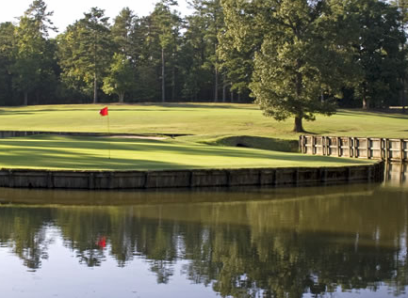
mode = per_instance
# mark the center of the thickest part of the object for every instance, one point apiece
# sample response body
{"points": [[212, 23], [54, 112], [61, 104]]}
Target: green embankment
{"points": [[202, 127]]}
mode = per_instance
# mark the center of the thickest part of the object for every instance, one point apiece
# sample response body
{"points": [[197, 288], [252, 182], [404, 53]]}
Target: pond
{"points": [[340, 241]]}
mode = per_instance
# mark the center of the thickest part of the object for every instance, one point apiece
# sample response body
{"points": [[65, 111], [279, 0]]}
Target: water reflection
{"points": [[396, 174], [246, 243]]}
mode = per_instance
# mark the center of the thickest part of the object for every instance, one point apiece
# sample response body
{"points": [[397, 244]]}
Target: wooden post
{"points": [[50, 180], [297, 177], [387, 149], [91, 181], [382, 151], [350, 147], [313, 145], [304, 144], [401, 150], [276, 178], [339, 150], [368, 148], [356, 146]]}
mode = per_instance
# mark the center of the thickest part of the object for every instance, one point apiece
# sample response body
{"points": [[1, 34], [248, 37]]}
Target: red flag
{"points": [[101, 242], [104, 111]]}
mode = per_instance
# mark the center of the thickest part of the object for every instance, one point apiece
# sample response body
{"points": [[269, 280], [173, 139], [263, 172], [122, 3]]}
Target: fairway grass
{"points": [[202, 122], [92, 153]]}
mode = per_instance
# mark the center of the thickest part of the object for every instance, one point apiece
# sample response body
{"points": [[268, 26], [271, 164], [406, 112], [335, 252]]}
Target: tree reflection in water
{"points": [[271, 248]]}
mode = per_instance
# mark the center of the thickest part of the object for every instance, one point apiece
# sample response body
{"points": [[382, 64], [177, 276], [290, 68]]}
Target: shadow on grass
{"points": [[68, 152]]}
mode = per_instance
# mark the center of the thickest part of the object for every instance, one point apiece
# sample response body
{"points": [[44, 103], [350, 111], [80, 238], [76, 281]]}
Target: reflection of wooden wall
{"points": [[396, 174], [368, 148]]}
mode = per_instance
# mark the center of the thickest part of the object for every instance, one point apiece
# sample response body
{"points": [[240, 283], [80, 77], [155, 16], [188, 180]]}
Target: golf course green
{"points": [[195, 136], [96, 153]]}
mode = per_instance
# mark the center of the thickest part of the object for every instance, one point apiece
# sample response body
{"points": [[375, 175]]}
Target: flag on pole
{"points": [[104, 111]]}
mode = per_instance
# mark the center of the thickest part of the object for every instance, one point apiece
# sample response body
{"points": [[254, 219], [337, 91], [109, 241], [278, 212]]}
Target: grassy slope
{"points": [[55, 152], [205, 123]]}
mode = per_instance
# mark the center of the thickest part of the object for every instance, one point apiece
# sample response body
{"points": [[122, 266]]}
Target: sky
{"points": [[67, 12]]}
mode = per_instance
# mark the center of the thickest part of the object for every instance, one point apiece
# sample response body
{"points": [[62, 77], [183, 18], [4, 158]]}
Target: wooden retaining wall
{"points": [[95, 180], [190, 178], [367, 148]]}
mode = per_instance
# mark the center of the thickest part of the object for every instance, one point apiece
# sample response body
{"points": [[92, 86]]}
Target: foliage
{"points": [[120, 77], [33, 62], [378, 52], [294, 57], [86, 51]]}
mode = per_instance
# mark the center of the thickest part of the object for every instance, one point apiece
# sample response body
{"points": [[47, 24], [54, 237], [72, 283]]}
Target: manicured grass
{"points": [[203, 126], [205, 122], [91, 153]]}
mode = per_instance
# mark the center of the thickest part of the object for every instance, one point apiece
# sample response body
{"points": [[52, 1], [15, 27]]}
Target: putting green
{"points": [[92, 153]]}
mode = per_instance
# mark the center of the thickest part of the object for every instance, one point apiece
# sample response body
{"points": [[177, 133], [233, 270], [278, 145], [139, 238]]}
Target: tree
{"points": [[238, 47], [120, 77], [212, 16], [379, 51], [97, 46], [122, 31], [196, 78], [31, 61], [167, 25], [287, 79], [86, 51], [7, 46]]}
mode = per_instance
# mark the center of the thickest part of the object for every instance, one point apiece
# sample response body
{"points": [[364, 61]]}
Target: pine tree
{"points": [[167, 25], [86, 50], [31, 61]]}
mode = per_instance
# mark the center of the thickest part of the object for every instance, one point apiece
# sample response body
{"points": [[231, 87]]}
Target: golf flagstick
{"points": [[104, 112]]}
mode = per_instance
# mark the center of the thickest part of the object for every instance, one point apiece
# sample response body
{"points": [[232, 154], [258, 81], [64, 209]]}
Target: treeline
{"points": [[295, 57]]}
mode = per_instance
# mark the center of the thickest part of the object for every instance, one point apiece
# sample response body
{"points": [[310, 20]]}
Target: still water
{"points": [[348, 241]]}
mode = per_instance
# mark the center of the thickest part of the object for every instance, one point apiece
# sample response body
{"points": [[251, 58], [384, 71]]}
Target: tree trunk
{"points": [[232, 96], [404, 96], [299, 89], [25, 103], [215, 84], [366, 104], [298, 124], [122, 97], [173, 84], [224, 90], [163, 80], [95, 97]]}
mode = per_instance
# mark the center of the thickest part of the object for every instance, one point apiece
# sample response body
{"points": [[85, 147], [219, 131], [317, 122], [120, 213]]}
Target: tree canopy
{"points": [[295, 58]]}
